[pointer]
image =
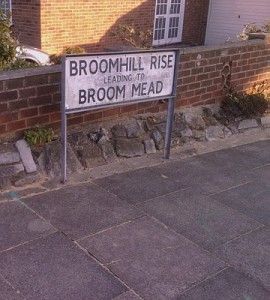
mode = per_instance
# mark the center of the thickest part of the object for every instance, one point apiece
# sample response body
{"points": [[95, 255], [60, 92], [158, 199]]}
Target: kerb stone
{"points": [[247, 124], [26, 156], [265, 121]]}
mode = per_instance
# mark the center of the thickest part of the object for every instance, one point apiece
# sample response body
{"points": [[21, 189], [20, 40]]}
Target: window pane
{"points": [[5, 6]]}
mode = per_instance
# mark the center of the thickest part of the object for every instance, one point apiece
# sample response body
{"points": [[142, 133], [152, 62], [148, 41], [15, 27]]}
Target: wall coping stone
{"points": [[221, 46], [22, 73]]}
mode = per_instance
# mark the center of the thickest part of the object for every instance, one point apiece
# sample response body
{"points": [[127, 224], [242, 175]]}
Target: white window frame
{"points": [[166, 18], [6, 6]]}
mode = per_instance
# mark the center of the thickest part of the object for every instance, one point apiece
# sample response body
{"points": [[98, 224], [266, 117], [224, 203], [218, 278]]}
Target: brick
{"points": [[206, 96], [18, 125], [28, 113], [7, 96], [49, 109], [93, 116], [152, 110], [13, 84], [27, 92], [209, 69], [55, 117], [196, 71], [15, 105], [201, 77], [3, 129], [56, 98], [36, 80], [9, 117], [3, 107], [111, 112], [75, 120], [32, 122], [55, 78], [1, 86], [41, 100], [128, 108], [189, 79], [47, 89]]}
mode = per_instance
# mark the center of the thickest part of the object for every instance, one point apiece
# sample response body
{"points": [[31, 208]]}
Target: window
{"points": [[5, 6], [168, 24]]}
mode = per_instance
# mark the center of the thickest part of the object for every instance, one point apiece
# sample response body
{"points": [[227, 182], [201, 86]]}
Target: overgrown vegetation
{"points": [[56, 58], [133, 36], [7, 43], [8, 46], [246, 105], [253, 28], [38, 136]]}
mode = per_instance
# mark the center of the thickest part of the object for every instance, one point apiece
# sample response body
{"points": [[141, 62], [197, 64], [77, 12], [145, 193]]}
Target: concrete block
{"points": [[213, 133], [247, 124], [9, 158], [129, 148], [8, 171], [149, 146], [265, 121], [26, 156]]}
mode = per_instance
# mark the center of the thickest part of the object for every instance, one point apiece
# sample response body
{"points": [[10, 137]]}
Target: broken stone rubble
{"points": [[99, 144]]}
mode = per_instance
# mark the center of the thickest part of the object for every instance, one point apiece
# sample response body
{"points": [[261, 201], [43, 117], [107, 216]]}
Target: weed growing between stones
{"points": [[38, 136]]}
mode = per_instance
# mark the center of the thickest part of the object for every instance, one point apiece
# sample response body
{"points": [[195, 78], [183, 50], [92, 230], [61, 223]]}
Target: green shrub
{"points": [[7, 43], [56, 58], [246, 105]]}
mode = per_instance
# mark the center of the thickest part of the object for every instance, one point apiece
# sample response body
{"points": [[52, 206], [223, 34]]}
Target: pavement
{"points": [[194, 227]]}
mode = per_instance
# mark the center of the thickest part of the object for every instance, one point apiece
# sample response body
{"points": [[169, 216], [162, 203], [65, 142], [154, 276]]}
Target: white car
{"points": [[32, 54]]}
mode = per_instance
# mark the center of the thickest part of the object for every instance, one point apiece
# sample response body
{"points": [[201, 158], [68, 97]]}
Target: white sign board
{"points": [[92, 81]]}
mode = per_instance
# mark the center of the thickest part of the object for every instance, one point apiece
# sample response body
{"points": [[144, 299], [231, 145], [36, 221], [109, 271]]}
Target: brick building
{"points": [[52, 25]]}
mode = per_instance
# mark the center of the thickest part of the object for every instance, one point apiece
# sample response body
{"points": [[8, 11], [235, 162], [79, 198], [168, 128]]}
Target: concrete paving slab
{"points": [[7, 292], [130, 240], [250, 254], [227, 285], [196, 173], [251, 199], [260, 174], [82, 210], [205, 222], [154, 261], [139, 185], [19, 224], [127, 296], [53, 267]]}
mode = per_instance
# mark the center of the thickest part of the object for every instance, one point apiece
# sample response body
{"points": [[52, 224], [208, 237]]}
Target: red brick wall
{"points": [[26, 20], [88, 23], [53, 25], [195, 20], [28, 98]]}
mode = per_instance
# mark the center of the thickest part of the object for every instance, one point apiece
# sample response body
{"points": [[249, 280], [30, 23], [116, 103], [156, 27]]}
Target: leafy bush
{"points": [[56, 58], [134, 37], [7, 43], [246, 105]]}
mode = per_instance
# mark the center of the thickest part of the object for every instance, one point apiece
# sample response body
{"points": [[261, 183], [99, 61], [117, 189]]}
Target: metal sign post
{"points": [[95, 81]]}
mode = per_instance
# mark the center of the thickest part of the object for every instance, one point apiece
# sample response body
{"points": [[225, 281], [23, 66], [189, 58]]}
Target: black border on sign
{"points": [[65, 112]]}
